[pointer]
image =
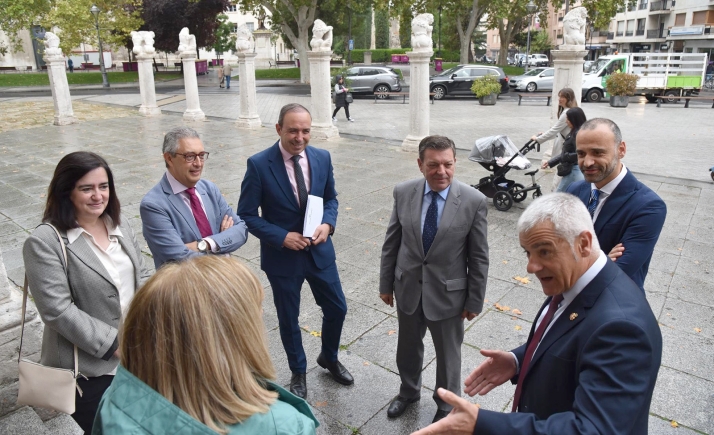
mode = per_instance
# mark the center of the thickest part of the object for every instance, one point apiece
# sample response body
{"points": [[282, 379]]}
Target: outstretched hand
{"points": [[498, 368], [461, 420]]}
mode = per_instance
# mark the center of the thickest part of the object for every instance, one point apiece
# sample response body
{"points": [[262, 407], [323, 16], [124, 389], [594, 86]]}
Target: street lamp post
{"points": [[590, 49], [530, 7], [95, 11], [349, 35], [439, 54]]}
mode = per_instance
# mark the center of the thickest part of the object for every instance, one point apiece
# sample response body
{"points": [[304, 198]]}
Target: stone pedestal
{"points": [[248, 117], [418, 99], [322, 127], [193, 108], [368, 58], [64, 115], [568, 63], [263, 48], [146, 87]]}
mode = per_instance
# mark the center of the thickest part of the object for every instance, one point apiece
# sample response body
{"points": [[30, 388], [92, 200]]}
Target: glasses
{"points": [[190, 157]]}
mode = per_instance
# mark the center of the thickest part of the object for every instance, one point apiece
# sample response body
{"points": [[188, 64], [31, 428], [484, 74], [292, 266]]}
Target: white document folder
{"points": [[313, 216]]}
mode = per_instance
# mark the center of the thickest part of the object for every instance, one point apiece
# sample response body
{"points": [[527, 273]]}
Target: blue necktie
{"points": [[430, 227], [592, 205]]}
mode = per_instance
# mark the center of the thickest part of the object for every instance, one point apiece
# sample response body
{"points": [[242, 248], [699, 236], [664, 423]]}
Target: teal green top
{"points": [[130, 406]]}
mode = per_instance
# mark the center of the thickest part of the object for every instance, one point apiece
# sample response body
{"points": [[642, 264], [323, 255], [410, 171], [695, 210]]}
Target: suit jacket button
{"points": [[425, 263], [419, 281]]}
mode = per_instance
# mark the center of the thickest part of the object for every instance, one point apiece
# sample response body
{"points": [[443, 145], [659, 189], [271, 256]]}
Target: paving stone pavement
{"points": [[367, 164]]}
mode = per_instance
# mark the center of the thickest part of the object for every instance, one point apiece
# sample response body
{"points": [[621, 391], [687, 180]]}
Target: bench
{"points": [[286, 62], [404, 96], [686, 99], [272, 64], [521, 96]]}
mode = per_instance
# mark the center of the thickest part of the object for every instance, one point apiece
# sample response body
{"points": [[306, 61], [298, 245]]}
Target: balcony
{"points": [[620, 33], [661, 6], [610, 36], [640, 32], [654, 34], [629, 33], [642, 6]]}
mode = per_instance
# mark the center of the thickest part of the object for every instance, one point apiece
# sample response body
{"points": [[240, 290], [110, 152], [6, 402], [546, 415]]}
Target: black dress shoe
{"points": [[440, 413], [298, 385], [399, 405], [338, 371]]}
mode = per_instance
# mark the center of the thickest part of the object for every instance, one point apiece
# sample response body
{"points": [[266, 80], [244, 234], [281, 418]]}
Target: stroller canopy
{"points": [[498, 150]]}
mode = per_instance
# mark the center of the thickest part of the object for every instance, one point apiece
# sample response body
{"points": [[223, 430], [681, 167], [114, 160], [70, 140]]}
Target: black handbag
{"points": [[348, 97]]}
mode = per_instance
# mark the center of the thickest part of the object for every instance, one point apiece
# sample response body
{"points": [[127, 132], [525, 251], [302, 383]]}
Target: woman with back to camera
{"points": [[206, 368], [559, 130], [567, 161], [83, 304], [341, 99]]}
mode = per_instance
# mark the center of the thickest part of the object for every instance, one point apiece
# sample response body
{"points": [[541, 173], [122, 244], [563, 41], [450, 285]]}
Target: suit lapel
{"points": [[616, 201], [180, 207], [314, 163], [84, 253], [128, 248], [451, 207], [277, 167], [417, 196], [208, 205]]}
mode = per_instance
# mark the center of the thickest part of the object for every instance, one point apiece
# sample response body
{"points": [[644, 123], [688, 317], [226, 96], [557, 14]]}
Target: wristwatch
{"points": [[203, 246]]}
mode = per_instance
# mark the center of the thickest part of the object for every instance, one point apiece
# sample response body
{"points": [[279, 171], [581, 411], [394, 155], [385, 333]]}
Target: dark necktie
{"points": [[300, 180], [201, 220], [592, 205], [530, 350], [430, 227]]}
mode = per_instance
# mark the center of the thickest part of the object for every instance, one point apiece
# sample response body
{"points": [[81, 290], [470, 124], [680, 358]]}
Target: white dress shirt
{"points": [[180, 190], [607, 190]]}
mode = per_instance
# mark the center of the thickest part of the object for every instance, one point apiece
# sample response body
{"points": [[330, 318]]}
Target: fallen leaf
{"points": [[506, 308], [486, 301], [505, 262], [366, 363], [697, 330], [316, 333], [516, 311], [498, 306], [522, 279], [514, 318], [348, 208], [42, 196], [674, 424], [678, 249], [696, 262], [518, 327], [669, 314], [477, 405], [320, 404], [392, 332]]}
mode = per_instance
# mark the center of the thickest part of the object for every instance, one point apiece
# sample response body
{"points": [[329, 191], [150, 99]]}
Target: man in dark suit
{"points": [[183, 215], [591, 360], [628, 215], [435, 261], [278, 180]]}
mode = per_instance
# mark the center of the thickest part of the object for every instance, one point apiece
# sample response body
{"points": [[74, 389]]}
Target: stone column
{"points": [[248, 117], [368, 58], [568, 63], [146, 87], [418, 99], [193, 108], [64, 115], [263, 48], [322, 127]]}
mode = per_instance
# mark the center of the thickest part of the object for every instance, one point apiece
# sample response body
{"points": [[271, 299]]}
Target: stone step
{"points": [[24, 421], [63, 424]]}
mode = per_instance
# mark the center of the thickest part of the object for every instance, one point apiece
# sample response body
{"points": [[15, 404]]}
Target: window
{"points": [[548, 73], [251, 26], [641, 24], [462, 73], [703, 17], [368, 72], [679, 20], [232, 8], [352, 72]]}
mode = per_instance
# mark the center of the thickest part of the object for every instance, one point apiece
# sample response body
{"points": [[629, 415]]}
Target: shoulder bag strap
{"points": [[24, 304]]}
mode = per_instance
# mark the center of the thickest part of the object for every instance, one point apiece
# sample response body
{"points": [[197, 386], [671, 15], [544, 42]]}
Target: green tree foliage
{"points": [[225, 39], [405, 28], [381, 28]]}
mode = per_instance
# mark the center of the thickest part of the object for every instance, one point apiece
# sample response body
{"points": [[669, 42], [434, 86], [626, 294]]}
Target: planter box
{"points": [[619, 100], [130, 66], [488, 100]]}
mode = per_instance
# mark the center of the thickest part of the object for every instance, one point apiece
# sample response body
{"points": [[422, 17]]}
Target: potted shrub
{"points": [[486, 89], [621, 86]]}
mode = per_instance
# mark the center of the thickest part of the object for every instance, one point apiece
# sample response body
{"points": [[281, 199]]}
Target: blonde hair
{"points": [[195, 334]]}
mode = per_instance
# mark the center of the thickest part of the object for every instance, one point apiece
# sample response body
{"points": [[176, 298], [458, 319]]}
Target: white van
{"points": [[538, 60]]}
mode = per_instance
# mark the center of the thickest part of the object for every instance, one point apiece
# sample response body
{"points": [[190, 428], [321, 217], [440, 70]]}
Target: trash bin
{"points": [[396, 58], [437, 64], [298, 63]]}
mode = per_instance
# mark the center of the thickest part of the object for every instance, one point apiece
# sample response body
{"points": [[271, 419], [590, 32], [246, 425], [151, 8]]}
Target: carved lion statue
{"points": [[245, 40], [321, 36], [421, 32], [574, 26], [187, 41], [52, 43], [143, 42]]}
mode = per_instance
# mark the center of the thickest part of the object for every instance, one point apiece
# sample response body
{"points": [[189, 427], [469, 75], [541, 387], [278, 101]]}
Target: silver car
{"points": [[538, 79], [372, 79]]}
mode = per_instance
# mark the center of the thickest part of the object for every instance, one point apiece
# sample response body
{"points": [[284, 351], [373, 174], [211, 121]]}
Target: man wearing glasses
{"points": [[184, 216]]}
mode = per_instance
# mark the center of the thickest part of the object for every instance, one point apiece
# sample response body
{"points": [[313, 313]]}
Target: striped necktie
{"points": [[592, 205]]}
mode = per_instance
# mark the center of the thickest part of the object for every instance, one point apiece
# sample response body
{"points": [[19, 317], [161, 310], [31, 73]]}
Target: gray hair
{"points": [[173, 136], [566, 212], [435, 142], [289, 108], [594, 123]]}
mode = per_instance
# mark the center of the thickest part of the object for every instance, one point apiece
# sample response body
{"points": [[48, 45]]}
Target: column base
{"points": [[194, 115], [149, 111], [324, 132], [250, 123], [411, 143], [64, 120]]}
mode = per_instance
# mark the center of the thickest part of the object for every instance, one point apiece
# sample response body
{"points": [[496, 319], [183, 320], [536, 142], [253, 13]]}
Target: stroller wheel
{"points": [[712, 174], [502, 200], [537, 193], [516, 192]]}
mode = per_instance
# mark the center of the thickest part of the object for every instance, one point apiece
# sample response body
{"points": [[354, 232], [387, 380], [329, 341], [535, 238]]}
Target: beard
{"points": [[603, 171]]}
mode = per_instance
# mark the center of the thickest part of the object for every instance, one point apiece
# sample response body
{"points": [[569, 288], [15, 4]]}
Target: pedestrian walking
{"points": [[227, 71], [341, 94], [221, 76], [567, 161], [70, 65]]}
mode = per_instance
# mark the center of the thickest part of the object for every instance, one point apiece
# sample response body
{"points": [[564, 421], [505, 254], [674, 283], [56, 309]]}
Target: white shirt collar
{"points": [[74, 233], [612, 185], [176, 186], [585, 279]]}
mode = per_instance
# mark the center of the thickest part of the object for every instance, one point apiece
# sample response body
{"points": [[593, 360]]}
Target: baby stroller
{"points": [[498, 155]]}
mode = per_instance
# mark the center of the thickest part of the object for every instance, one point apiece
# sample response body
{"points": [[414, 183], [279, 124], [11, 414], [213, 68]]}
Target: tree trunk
{"points": [[304, 17], [466, 34]]}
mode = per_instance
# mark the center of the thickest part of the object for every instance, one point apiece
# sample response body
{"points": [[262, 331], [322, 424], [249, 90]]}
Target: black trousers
{"points": [[86, 406], [347, 111]]}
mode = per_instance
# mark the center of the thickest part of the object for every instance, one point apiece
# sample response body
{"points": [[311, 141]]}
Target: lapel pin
{"points": [[573, 316]]}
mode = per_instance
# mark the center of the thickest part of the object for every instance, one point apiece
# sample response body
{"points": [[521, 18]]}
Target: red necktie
{"points": [[530, 350], [201, 220]]}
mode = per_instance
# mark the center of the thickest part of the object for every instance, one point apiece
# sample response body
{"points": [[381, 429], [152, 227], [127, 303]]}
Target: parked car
{"points": [[540, 79], [458, 80], [520, 59], [538, 60], [368, 79], [511, 60], [486, 59]]}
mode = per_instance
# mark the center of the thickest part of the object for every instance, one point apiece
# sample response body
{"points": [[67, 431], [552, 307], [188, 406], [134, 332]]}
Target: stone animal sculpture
{"points": [[574, 26], [143, 43], [244, 40], [421, 32], [321, 36], [52, 43], [187, 41]]}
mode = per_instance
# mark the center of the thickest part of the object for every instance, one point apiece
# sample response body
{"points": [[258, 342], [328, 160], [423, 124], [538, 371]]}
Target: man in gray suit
{"points": [[435, 261]]}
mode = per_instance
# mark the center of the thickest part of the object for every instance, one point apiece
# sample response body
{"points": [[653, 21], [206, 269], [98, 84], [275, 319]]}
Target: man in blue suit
{"points": [[278, 181], [592, 357], [628, 215], [184, 216]]}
